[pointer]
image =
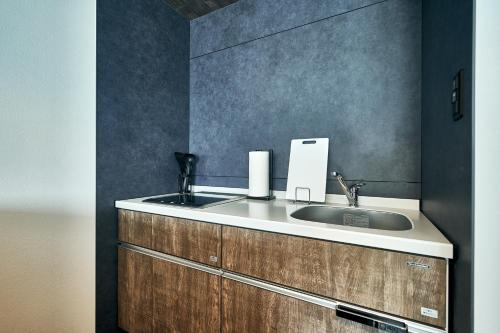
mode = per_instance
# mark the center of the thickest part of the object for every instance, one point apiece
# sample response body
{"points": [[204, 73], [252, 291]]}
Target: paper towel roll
{"points": [[258, 173], [259, 209]]}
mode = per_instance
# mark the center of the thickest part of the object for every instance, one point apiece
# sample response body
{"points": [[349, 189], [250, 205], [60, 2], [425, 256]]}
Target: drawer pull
{"points": [[417, 265], [368, 319]]}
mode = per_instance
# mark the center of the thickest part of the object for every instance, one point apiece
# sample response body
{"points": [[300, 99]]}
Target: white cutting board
{"points": [[307, 169]]}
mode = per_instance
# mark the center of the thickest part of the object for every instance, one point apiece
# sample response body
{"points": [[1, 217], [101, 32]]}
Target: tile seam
{"points": [[286, 30]]}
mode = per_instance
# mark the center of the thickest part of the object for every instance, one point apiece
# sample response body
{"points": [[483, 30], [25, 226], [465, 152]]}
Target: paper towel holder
{"points": [[270, 196]]}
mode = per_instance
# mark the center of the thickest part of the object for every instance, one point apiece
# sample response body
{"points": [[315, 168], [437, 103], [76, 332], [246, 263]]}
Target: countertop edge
{"points": [[413, 246]]}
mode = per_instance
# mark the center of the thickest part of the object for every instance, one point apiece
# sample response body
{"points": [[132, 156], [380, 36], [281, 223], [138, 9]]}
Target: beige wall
{"points": [[47, 166]]}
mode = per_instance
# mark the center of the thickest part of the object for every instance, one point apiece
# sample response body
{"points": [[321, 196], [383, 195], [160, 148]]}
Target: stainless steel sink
{"points": [[354, 217]]}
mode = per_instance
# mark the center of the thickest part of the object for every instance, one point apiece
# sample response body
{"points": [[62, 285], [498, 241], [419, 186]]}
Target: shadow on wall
{"points": [[47, 271]]}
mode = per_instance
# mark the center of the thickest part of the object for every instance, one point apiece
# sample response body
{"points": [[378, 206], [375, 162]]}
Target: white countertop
{"points": [[274, 216]]}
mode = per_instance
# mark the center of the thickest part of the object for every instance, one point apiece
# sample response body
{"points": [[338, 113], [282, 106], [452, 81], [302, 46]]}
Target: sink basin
{"points": [[354, 217]]}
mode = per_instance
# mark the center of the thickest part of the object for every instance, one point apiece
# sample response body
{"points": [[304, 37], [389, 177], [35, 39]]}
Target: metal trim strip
{"points": [[318, 300], [447, 294], [170, 258]]}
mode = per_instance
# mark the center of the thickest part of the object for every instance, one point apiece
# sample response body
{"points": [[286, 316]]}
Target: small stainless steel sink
{"points": [[354, 217]]}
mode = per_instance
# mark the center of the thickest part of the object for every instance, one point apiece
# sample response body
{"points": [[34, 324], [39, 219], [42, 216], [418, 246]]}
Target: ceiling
{"points": [[192, 9]]}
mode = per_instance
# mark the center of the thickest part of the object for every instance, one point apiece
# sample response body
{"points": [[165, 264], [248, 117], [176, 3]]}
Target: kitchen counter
{"points": [[274, 216]]}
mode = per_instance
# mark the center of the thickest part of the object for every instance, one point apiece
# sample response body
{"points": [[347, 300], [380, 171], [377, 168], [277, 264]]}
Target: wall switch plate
{"points": [[457, 96]]}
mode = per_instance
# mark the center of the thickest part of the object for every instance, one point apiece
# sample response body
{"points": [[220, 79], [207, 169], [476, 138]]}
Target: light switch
{"points": [[457, 96]]}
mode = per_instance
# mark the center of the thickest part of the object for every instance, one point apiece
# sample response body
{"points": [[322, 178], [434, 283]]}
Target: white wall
{"points": [[47, 165], [487, 166]]}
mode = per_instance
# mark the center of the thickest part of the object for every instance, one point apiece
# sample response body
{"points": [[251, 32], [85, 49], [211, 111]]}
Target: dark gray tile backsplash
{"points": [[251, 19], [142, 118], [355, 78]]}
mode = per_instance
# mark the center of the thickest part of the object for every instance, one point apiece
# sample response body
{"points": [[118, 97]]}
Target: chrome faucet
{"points": [[351, 192]]}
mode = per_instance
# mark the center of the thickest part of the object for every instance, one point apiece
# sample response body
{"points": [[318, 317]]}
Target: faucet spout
{"points": [[351, 192]]}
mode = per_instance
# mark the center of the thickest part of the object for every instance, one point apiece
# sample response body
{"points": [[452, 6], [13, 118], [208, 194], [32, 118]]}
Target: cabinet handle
{"points": [[381, 323]]}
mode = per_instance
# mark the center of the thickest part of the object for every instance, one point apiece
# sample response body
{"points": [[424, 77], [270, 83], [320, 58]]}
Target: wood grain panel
{"points": [[193, 240], [248, 309], [135, 227], [185, 300], [135, 291], [377, 279]]}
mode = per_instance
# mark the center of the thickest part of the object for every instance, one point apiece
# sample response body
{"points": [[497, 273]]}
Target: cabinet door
{"points": [[186, 300], [193, 240], [135, 292], [135, 228], [248, 309], [155, 295], [396, 283]]}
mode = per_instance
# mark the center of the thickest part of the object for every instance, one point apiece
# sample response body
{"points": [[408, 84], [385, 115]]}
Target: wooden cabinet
{"points": [[158, 296], [248, 309], [193, 240], [135, 291], [396, 283], [159, 293], [135, 228], [185, 299]]}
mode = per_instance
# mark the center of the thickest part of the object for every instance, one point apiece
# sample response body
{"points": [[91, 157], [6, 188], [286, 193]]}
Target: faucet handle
{"points": [[354, 188], [336, 174]]}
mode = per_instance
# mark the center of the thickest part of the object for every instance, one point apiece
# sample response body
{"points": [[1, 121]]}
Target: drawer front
{"points": [[248, 309], [135, 228], [136, 322], [193, 240], [155, 295], [392, 282], [185, 299], [135, 292]]}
